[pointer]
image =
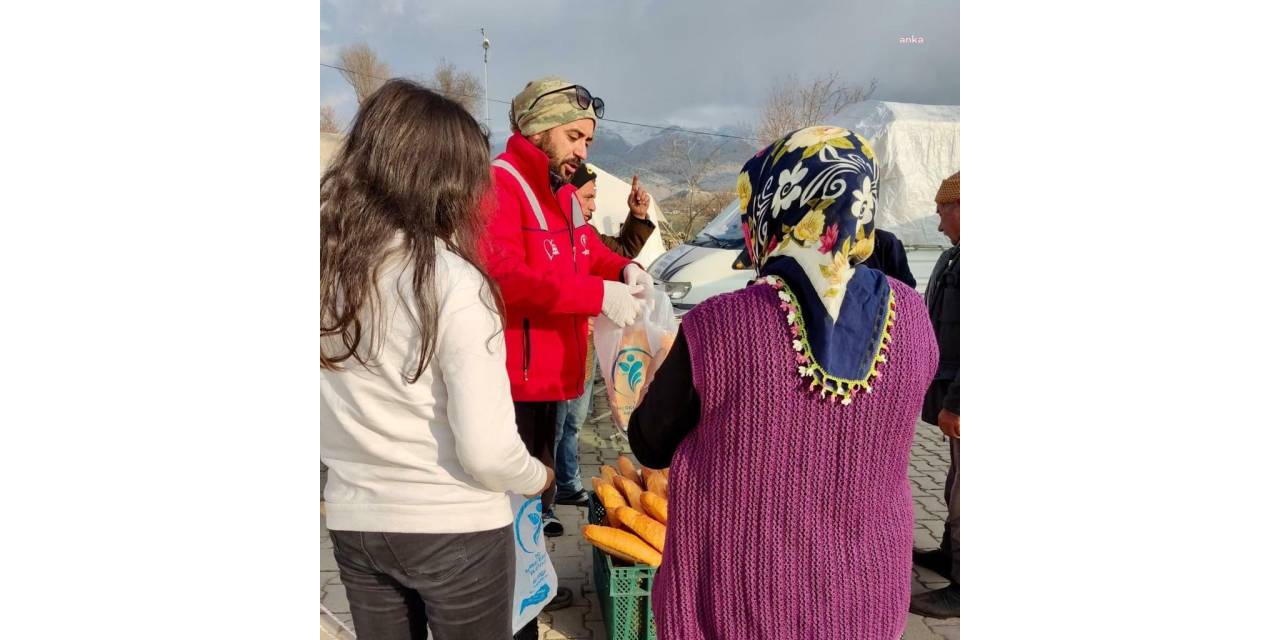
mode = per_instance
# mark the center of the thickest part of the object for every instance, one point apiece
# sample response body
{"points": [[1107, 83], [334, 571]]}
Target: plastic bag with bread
{"points": [[629, 356]]}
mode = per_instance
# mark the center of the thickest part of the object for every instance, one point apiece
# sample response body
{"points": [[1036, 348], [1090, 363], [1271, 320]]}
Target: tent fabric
{"points": [[612, 211], [917, 146]]}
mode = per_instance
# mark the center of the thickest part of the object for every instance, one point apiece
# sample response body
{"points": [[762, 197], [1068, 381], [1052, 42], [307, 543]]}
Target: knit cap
{"points": [[582, 176], [949, 191]]}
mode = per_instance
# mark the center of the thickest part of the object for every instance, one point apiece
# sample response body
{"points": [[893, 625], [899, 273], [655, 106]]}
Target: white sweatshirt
{"points": [[435, 456]]}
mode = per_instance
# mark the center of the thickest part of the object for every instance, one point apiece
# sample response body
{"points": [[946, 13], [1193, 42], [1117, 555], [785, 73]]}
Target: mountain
{"points": [[626, 150], [634, 134]]}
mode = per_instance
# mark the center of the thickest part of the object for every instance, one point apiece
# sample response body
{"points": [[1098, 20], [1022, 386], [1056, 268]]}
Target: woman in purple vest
{"points": [[786, 412]]}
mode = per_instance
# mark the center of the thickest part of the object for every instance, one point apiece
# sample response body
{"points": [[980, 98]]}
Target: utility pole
{"points": [[485, 44]]}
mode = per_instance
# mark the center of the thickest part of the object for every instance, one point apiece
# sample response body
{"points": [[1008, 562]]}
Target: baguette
{"points": [[611, 499], [649, 530], [621, 544], [629, 489], [654, 506], [628, 470], [658, 485]]}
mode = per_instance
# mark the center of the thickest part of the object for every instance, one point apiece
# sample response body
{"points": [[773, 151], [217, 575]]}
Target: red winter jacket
{"points": [[551, 271]]}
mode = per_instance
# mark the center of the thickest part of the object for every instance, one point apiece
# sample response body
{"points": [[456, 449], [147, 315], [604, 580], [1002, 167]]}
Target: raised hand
{"points": [[638, 199]]}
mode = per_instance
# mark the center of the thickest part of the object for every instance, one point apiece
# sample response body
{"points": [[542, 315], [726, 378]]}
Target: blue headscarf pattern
{"points": [[808, 203]]}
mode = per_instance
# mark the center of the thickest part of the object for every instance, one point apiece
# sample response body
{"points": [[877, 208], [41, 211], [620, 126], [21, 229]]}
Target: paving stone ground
{"points": [[572, 555]]}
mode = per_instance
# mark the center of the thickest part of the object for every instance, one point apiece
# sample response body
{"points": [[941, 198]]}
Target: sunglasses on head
{"points": [[581, 95]]}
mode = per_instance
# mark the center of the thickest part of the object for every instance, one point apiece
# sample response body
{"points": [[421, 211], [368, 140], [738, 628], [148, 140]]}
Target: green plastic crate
{"points": [[624, 591]]}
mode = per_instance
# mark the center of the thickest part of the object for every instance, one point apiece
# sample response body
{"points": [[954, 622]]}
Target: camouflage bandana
{"points": [[551, 111]]}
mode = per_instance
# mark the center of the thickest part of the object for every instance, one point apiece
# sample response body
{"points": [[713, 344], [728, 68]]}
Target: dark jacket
{"points": [[943, 299], [631, 237], [890, 258]]}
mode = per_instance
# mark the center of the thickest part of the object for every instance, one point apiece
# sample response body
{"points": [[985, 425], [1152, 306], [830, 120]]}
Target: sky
{"points": [[701, 64]]}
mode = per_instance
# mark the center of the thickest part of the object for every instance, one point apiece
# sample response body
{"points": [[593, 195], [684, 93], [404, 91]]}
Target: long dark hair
{"points": [[416, 163]]}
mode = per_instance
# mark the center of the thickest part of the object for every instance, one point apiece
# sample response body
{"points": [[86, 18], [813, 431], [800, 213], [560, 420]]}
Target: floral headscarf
{"points": [[808, 203]]}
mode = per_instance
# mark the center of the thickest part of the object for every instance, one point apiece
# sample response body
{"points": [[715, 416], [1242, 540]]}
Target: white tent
{"points": [[611, 212], [917, 146]]}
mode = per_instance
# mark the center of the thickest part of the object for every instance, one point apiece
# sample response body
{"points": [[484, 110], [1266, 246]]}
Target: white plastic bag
{"points": [[630, 356], [536, 581]]}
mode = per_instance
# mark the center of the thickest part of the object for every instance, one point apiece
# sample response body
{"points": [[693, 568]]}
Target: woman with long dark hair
{"points": [[416, 420]]}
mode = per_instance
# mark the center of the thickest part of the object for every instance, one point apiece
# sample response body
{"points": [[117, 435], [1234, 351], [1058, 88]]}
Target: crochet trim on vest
{"points": [[809, 369]]}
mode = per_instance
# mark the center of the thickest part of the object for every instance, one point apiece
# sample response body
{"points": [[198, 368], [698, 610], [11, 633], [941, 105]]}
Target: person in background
{"points": [[890, 257], [552, 268], [417, 426], [635, 230], [790, 511], [942, 405], [887, 256], [572, 414]]}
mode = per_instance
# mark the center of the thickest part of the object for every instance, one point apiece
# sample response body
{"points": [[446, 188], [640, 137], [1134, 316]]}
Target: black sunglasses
{"points": [[582, 96]]}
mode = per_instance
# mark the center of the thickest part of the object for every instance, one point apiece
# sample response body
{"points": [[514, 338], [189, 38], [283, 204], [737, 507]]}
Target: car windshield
{"points": [[724, 231]]}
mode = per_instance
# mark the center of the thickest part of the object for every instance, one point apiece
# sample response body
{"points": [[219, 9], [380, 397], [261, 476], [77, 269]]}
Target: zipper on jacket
{"points": [[526, 350], [579, 349]]}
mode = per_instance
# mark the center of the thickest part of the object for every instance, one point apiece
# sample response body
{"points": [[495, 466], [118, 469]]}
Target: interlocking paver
{"points": [[327, 563], [334, 598], [949, 629], [918, 630], [572, 556], [571, 622]]}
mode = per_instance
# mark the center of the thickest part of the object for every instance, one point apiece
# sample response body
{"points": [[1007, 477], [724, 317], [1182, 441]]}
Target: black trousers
{"points": [[951, 530], [399, 584], [536, 422]]}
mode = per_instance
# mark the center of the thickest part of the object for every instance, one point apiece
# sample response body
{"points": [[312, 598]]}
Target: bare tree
{"points": [[362, 69], [328, 119], [462, 86], [689, 162], [791, 105]]}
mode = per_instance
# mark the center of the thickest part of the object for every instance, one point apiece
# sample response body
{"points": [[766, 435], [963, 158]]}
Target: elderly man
{"points": [[942, 404], [551, 268]]}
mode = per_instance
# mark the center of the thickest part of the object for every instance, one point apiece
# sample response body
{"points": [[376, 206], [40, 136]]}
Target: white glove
{"points": [[633, 274], [620, 304]]}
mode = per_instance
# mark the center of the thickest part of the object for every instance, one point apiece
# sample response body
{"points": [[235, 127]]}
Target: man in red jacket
{"points": [[552, 269]]}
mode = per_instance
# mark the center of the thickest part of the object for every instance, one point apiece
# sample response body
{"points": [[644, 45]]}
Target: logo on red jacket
{"points": [[583, 241], [551, 249]]}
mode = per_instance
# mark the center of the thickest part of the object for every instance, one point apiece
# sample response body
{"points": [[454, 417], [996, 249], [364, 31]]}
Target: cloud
{"points": [[711, 116], [339, 99], [329, 53], [704, 64]]}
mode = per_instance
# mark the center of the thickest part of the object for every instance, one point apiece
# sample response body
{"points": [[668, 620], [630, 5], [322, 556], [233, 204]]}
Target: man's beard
{"points": [[557, 164]]}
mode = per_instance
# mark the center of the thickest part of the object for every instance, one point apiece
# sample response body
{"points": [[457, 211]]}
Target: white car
{"points": [[916, 146], [715, 261]]}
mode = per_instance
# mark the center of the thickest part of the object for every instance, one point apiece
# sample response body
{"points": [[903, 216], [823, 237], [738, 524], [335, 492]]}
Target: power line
{"points": [[683, 130], [634, 124]]}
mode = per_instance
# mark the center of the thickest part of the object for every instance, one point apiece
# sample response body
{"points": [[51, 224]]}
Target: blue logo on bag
{"points": [[631, 363], [528, 522], [538, 596]]}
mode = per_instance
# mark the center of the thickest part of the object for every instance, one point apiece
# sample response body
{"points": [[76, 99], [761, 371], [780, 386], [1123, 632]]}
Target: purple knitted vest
{"points": [[791, 516]]}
